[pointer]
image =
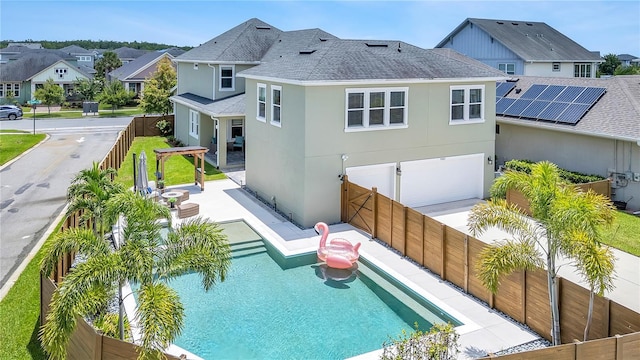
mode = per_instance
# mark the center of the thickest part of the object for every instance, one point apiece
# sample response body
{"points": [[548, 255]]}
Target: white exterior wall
{"points": [[581, 153], [299, 163], [546, 69], [198, 82]]}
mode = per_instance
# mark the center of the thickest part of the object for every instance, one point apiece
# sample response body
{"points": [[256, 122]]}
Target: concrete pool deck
{"points": [[485, 330]]}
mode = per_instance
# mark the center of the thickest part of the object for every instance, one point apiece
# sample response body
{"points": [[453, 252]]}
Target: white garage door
{"points": [[382, 176], [435, 181]]}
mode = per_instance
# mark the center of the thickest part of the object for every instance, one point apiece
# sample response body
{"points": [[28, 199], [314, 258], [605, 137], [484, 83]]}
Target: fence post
{"points": [[523, 295], [466, 263], [374, 211], [443, 251]]}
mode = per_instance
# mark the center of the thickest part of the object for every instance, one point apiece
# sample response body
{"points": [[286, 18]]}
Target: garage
{"points": [[435, 181], [382, 176]]}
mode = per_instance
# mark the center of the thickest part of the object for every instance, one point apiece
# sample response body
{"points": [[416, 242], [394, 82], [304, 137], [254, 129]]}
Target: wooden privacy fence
{"points": [[86, 343], [602, 187], [146, 125], [452, 255]]}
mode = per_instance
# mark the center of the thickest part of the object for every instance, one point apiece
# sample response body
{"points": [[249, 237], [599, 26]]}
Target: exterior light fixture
{"points": [[490, 160]]}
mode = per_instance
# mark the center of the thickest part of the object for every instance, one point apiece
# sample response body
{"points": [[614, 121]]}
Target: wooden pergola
{"points": [[197, 152]]}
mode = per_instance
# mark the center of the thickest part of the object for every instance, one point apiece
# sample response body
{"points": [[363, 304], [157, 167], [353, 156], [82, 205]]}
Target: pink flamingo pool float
{"points": [[339, 253]]}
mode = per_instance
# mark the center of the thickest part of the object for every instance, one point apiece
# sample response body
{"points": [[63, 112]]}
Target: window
{"points": [[16, 89], [556, 66], [236, 128], [582, 70], [376, 108], [226, 78], [84, 58], [276, 92], [508, 68], [262, 102], [61, 72], [133, 88], [1, 90], [194, 123], [467, 104]]}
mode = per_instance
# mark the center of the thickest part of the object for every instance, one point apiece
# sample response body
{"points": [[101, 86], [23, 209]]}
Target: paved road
{"points": [[33, 188]]}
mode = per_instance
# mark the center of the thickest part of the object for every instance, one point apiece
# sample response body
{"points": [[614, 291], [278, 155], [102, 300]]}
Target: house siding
{"points": [[568, 151], [198, 82], [309, 145], [476, 43]]}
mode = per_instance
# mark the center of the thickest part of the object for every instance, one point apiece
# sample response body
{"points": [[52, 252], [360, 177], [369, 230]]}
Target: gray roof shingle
{"points": [[230, 106], [32, 62], [127, 70], [616, 114], [345, 60], [530, 40], [129, 53], [247, 42]]}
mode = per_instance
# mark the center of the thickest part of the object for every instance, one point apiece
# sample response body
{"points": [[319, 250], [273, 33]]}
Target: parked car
{"points": [[10, 112]]}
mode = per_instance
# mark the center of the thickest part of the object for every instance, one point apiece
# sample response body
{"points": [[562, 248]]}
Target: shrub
{"points": [[570, 176], [165, 127], [440, 343]]}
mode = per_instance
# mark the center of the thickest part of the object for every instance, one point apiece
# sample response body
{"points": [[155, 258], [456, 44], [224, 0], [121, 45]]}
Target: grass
{"points": [[623, 234], [20, 314], [77, 114], [12, 145], [177, 169]]}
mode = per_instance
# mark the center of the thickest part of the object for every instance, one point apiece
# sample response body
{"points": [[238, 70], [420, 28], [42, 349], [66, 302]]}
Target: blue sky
{"points": [[605, 26]]}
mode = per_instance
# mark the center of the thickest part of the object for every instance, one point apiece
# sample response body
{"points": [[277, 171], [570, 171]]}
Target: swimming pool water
{"points": [[266, 309]]}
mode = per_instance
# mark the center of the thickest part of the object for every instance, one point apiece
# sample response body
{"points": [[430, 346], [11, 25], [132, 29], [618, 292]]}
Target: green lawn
{"points": [[624, 234], [177, 169], [77, 114], [12, 145]]}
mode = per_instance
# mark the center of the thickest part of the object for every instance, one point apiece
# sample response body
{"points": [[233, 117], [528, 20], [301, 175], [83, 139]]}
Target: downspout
{"points": [[213, 88]]}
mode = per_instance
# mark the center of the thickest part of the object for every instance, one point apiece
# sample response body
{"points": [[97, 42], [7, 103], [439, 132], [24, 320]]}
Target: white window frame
{"points": [[232, 77], [386, 125], [504, 67], [16, 90], [466, 105], [275, 122], [194, 124], [581, 70], [258, 102], [555, 66], [1, 90]]}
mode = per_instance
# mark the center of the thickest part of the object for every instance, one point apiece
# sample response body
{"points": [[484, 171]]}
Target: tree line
{"points": [[97, 44]]}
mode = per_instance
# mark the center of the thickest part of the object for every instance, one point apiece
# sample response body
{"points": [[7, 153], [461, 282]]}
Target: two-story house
{"points": [[133, 74], [522, 48], [417, 124]]}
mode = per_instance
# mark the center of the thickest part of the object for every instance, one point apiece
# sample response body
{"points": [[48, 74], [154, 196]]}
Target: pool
{"points": [[276, 307]]}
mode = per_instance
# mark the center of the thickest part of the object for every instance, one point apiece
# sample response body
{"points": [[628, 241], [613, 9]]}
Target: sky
{"points": [[611, 27]]}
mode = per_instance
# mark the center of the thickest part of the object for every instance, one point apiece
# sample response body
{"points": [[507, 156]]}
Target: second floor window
{"points": [[276, 92], [262, 102], [582, 70], [226, 78], [508, 68], [467, 104], [369, 109]]}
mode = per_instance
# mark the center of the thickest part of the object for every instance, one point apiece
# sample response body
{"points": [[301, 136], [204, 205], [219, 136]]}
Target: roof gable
{"points": [[28, 65], [132, 68], [247, 42], [530, 40]]}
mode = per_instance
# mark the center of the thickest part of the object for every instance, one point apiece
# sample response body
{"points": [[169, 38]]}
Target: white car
{"points": [[10, 112]]}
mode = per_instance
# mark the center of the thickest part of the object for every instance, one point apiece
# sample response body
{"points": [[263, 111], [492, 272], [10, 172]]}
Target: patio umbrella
{"points": [[142, 180]]}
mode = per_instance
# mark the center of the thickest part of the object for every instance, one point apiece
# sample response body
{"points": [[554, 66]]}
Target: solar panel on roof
{"points": [[517, 107], [573, 113], [533, 91], [551, 92], [503, 88], [590, 95], [570, 93], [534, 109], [503, 104], [552, 111]]}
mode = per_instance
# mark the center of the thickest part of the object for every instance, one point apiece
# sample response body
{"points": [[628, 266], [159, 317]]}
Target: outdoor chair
{"points": [[239, 143], [185, 194], [187, 210]]}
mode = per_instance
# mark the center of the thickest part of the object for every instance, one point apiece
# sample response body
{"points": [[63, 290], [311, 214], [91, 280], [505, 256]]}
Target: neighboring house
{"points": [[417, 124], [30, 45], [134, 73], [12, 53], [127, 54], [604, 140], [628, 60], [21, 77], [84, 57], [522, 48]]}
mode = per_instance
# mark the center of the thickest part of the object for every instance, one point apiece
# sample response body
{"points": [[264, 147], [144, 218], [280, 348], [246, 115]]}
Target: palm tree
{"points": [[89, 191], [566, 222], [197, 245]]}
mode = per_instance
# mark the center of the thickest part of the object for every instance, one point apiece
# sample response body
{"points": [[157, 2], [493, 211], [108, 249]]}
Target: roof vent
{"points": [[323, 39], [499, 22], [263, 27], [376, 44], [307, 52], [529, 24], [514, 23], [399, 48]]}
